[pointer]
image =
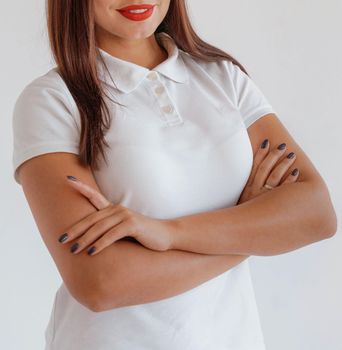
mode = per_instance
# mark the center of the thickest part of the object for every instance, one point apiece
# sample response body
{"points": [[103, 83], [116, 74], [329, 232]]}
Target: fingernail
{"points": [[63, 237], [290, 155], [264, 143], [294, 172], [72, 178], [282, 146], [74, 247], [91, 250]]}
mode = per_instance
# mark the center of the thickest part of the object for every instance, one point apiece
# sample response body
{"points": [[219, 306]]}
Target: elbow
{"points": [[90, 295], [325, 216], [330, 226], [90, 300], [93, 303], [101, 298], [96, 301]]}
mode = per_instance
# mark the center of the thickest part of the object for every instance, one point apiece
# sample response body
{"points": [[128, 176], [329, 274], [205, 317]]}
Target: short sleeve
{"points": [[43, 121], [250, 101]]}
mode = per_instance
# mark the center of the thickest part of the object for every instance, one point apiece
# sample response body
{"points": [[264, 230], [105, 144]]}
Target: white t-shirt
{"points": [[180, 146]]}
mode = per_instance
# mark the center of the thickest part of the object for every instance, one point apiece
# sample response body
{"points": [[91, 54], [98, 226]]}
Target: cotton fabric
{"points": [[178, 146]]}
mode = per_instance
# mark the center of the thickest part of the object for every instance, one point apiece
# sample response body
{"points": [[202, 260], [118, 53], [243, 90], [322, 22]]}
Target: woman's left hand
{"points": [[112, 222]]}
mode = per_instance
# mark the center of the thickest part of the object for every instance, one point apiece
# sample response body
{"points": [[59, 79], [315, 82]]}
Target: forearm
{"points": [[132, 274], [281, 220]]}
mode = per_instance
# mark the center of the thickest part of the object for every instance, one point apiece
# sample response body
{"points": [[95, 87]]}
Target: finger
{"points": [[292, 177], [259, 156], [280, 170], [267, 165], [97, 231], [84, 224], [119, 231], [95, 197]]}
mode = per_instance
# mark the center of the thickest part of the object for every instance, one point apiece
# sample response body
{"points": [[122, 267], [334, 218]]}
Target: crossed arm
{"points": [[127, 273]]}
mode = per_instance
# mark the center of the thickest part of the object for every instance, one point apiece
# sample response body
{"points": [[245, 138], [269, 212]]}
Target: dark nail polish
{"points": [[282, 146], [264, 143], [72, 178], [290, 155], [91, 250], [294, 172], [63, 237], [74, 247]]}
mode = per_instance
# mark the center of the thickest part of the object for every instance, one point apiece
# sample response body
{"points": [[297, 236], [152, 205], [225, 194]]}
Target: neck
{"points": [[144, 52]]}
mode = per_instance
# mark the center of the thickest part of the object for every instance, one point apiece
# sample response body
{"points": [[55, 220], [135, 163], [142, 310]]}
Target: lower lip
{"points": [[137, 16]]}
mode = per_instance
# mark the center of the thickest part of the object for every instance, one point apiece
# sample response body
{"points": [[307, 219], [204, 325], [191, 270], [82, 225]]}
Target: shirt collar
{"points": [[127, 76]]}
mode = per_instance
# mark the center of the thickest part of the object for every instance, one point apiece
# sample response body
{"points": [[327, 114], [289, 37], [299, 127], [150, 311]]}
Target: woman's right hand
{"points": [[266, 172]]}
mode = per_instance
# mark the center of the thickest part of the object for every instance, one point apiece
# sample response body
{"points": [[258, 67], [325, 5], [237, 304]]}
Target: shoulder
{"points": [[216, 75], [43, 120], [219, 69], [48, 89], [49, 80], [223, 73], [45, 101]]}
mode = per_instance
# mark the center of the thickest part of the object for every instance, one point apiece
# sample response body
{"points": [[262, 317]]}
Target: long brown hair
{"points": [[71, 31]]}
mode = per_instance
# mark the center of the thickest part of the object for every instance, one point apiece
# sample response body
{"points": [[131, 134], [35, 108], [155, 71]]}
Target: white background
{"points": [[292, 50]]}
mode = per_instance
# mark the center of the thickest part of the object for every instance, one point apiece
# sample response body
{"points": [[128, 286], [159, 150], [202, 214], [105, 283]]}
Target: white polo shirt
{"points": [[180, 146]]}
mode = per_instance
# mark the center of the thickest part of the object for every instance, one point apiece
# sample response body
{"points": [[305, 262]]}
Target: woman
{"points": [[149, 241]]}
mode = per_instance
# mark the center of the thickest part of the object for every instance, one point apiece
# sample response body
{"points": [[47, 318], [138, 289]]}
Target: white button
{"points": [[168, 109], [152, 75], [159, 90]]}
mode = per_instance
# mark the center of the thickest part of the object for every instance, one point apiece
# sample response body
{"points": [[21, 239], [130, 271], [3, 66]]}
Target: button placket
{"points": [[168, 111]]}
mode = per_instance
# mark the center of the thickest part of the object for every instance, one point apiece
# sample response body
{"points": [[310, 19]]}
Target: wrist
{"points": [[174, 229]]}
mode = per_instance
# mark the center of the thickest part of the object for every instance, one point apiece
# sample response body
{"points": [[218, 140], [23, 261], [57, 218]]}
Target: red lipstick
{"points": [[142, 12]]}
